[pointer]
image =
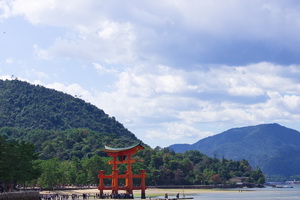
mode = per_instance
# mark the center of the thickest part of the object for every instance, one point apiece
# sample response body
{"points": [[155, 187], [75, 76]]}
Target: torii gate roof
{"points": [[135, 148]]}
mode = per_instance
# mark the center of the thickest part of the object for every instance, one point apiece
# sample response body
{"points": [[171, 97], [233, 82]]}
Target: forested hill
{"points": [[273, 148], [28, 108]]}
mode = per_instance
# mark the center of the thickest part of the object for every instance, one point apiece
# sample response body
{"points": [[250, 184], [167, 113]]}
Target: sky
{"points": [[172, 71]]}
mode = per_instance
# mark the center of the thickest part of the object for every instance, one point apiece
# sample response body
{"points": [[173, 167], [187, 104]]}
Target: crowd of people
{"points": [[115, 196], [85, 196], [65, 196]]}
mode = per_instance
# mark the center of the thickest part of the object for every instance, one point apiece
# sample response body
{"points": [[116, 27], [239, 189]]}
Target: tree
{"points": [[3, 157], [215, 179], [51, 175], [26, 168], [207, 175], [17, 162], [68, 171], [256, 176], [92, 167]]}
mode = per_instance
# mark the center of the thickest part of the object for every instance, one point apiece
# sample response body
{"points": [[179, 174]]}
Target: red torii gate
{"points": [[122, 156]]}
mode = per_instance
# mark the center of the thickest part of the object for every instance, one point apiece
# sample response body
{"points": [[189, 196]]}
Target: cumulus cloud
{"points": [[40, 53], [5, 8], [107, 42], [291, 103], [73, 89], [142, 98], [177, 131], [102, 70], [175, 32], [287, 104], [49, 12]]}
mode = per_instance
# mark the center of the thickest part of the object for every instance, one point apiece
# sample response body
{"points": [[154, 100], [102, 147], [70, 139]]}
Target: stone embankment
{"points": [[30, 195]]}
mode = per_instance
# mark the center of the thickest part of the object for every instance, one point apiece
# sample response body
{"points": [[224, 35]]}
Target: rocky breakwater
{"points": [[30, 195]]}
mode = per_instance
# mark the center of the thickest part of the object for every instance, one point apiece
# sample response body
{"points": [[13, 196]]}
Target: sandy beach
{"points": [[153, 192]]}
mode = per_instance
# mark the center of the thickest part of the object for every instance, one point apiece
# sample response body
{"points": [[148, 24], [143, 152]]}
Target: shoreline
{"points": [[150, 193]]}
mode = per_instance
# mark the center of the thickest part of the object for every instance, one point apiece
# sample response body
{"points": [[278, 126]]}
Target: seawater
{"points": [[255, 193]]}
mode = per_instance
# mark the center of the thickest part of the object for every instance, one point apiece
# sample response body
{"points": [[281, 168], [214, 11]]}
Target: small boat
{"points": [[284, 186]]}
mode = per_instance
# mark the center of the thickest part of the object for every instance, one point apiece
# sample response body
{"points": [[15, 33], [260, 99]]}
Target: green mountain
{"points": [[57, 123], [273, 148]]}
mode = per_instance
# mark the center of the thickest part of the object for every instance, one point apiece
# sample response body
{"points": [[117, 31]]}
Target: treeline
{"points": [[64, 145], [19, 164], [165, 167]]}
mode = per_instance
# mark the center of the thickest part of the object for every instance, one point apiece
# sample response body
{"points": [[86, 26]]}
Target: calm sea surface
{"points": [[257, 193]]}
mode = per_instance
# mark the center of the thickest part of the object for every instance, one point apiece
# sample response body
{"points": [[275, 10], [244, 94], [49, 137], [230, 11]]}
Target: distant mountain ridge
{"points": [[272, 147], [45, 116]]}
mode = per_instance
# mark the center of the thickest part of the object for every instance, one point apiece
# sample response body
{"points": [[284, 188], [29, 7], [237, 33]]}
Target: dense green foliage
{"points": [[73, 171], [164, 167], [18, 162], [273, 148], [35, 107], [64, 144]]}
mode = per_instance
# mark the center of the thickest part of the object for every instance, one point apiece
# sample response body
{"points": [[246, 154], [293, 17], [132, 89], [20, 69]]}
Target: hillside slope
{"points": [[27, 108], [273, 148]]}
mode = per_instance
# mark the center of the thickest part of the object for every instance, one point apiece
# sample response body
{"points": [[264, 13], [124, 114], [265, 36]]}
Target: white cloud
{"points": [[161, 80], [4, 6], [72, 89], [292, 103], [288, 104], [174, 31], [9, 60], [102, 70], [109, 42], [52, 12], [240, 18], [245, 90], [145, 96], [5, 77], [40, 53], [176, 131]]}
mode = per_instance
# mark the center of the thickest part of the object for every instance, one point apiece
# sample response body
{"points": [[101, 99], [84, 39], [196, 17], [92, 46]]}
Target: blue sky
{"points": [[171, 71]]}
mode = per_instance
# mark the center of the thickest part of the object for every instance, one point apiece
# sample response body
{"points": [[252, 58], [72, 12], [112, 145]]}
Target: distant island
{"points": [[273, 148]]}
